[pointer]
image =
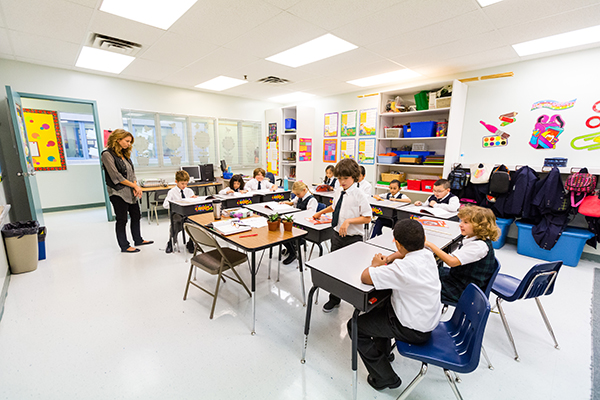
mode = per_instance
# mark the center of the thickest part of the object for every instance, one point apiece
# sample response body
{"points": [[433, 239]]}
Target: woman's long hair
{"points": [[113, 142]]}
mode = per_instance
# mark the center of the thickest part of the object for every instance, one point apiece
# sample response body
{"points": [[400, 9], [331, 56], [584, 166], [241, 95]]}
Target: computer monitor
{"points": [[194, 172], [223, 166], [207, 173]]}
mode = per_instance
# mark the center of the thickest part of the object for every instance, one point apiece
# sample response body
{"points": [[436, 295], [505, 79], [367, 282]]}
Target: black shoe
{"points": [[391, 357], [330, 305], [190, 246], [290, 258], [130, 251], [145, 242], [169, 247], [382, 386], [284, 251]]}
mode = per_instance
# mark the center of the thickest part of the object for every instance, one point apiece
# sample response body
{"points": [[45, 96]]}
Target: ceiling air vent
{"points": [[273, 80], [113, 44]]}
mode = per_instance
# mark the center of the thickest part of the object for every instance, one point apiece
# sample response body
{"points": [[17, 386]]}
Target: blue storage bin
{"points": [[568, 248], [290, 123], [422, 153], [400, 153], [504, 225], [387, 159], [420, 129]]}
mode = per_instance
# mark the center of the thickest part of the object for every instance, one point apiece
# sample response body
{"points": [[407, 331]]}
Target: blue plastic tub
{"points": [[400, 152], [387, 159], [568, 248], [420, 129], [422, 153], [504, 225], [290, 123]]}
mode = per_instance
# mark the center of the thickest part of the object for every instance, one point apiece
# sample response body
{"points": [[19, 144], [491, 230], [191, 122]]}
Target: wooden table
{"points": [[265, 239], [267, 212]]}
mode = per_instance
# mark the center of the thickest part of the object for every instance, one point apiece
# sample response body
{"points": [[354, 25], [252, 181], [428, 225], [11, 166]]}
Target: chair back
{"points": [[200, 236], [321, 206], [467, 325], [270, 177], [539, 281], [160, 196], [488, 289]]}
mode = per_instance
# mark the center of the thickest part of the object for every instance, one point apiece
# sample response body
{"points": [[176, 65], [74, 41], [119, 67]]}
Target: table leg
{"points": [[320, 249], [307, 322], [253, 284], [148, 205], [301, 267], [355, 353], [171, 230]]}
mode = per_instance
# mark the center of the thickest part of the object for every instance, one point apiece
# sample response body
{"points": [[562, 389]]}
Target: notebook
{"points": [[436, 212], [231, 227], [278, 208]]}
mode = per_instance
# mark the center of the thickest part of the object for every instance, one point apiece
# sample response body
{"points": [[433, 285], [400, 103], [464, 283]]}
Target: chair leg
{"points": [[317, 296], [187, 286], [507, 328], [414, 382], [452, 384], [212, 310], [456, 377], [547, 322], [490, 366], [310, 254]]}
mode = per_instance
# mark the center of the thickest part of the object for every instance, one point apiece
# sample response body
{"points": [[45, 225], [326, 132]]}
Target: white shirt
{"points": [[366, 187], [399, 195], [416, 287], [472, 250], [452, 206], [252, 184], [227, 189], [175, 195], [312, 203], [354, 205]]}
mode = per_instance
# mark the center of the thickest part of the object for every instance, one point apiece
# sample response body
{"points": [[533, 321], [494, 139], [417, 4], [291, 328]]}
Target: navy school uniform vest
{"points": [[445, 200], [330, 181], [302, 204], [478, 272]]}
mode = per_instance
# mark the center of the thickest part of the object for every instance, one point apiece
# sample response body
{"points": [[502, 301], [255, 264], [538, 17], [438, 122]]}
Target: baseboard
{"points": [[75, 207], [4, 293]]}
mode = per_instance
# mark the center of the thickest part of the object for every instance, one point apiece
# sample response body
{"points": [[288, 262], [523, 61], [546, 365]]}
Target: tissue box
{"points": [[240, 213]]}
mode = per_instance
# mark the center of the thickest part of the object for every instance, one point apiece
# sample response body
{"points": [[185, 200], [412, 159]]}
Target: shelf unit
{"points": [[449, 145]]}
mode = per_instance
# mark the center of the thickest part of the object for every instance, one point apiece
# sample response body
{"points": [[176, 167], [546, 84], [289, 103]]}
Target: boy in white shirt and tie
{"points": [[179, 192], [259, 182]]}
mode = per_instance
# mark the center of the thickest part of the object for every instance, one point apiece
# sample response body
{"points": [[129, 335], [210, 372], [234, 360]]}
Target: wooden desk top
{"points": [[264, 239]]}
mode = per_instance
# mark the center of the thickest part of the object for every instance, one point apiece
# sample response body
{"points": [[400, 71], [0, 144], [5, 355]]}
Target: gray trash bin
{"points": [[21, 240]]}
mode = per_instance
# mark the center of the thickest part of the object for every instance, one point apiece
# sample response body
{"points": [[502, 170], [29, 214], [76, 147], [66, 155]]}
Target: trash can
{"points": [[21, 242], [42, 243]]}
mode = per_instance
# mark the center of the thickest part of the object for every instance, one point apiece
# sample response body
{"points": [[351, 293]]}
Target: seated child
{"points": [[474, 261], [441, 197], [330, 179], [181, 191], [304, 200], [393, 195], [410, 314], [236, 184], [363, 184], [259, 182]]}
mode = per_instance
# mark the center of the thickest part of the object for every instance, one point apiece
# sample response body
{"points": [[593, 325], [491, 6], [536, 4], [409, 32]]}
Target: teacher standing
{"points": [[123, 189]]}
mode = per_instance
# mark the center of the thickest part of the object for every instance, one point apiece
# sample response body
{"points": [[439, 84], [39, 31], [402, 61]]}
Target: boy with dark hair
{"points": [[179, 192], [441, 197], [394, 195], [258, 181], [410, 314], [351, 210], [363, 184]]}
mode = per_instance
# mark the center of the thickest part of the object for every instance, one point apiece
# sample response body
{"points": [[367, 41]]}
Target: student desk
{"points": [[385, 208], [323, 197], [265, 239], [267, 195], [339, 273], [315, 233], [238, 200], [189, 207], [156, 189], [411, 211], [266, 212]]}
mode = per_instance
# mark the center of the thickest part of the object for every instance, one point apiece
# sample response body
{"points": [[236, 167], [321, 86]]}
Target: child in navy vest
{"points": [[304, 200], [441, 197], [393, 195], [330, 179]]}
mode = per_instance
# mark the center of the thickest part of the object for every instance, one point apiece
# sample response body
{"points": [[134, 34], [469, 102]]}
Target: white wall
{"points": [[112, 95]]}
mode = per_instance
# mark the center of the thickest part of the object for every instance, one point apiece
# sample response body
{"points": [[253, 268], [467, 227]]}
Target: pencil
{"points": [[244, 236]]}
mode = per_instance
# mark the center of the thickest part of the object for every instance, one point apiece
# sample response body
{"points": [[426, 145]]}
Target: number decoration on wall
{"points": [[591, 141], [546, 132]]}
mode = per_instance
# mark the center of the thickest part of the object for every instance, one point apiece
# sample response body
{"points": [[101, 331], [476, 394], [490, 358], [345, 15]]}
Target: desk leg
{"points": [[148, 205], [301, 267], [307, 322], [171, 230], [355, 353], [278, 263], [253, 273]]}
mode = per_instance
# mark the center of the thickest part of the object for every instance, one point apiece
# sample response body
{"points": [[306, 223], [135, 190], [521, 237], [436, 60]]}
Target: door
{"points": [[23, 182]]}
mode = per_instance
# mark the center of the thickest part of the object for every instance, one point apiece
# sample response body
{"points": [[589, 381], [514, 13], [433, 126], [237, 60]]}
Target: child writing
{"points": [[441, 197], [259, 182], [236, 184], [364, 185], [410, 314], [179, 192], [330, 179], [304, 200], [474, 261], [351, 210], [393, 195]]}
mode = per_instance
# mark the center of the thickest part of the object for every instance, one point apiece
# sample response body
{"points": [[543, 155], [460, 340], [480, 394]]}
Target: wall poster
{"points": [[331, 124], [45, 141], [368, 122], [329, 150], [273, 150], [366, 151], [348, 149], [305, 150], [348, 124]]}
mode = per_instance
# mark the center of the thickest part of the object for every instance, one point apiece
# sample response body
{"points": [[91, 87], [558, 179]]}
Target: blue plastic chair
{"points": [[270, 177], [455, 345], [539, 281]]}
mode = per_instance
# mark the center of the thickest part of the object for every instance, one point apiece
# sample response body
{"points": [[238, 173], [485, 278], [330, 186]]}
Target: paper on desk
{"points": [[436, 212], [259, 222]]}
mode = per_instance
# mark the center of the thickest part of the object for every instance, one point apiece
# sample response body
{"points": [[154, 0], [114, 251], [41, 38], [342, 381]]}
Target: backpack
{"points": [[480, 173], [499, 181], [580, 182], [458, 178]]}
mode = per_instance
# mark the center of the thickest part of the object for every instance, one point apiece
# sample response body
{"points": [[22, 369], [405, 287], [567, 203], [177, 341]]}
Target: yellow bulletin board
{"points": [[45, 141]]}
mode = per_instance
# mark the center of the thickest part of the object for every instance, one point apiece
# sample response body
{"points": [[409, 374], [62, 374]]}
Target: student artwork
{"points": [[368, 122], [553, 105], [348, 124], [45, 141], [366, 151], [331, 124], [329, 150], [508, 118], [500, 138], [592, 122], [305, 150], [546, 131], [348, 149]]}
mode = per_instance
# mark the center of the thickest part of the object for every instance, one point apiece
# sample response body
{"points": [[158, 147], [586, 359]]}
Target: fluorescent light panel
{"points": [[485, 3], [318, 49], [159, 13], [221, 83], [388, 77], [560, 41], [296, 96], [102, 60]]}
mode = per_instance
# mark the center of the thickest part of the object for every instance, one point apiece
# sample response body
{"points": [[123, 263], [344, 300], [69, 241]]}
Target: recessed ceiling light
{"points": [[221, 83], [102, 60], [388, 77], [322, 47], [159, 13], [560, 41], [485, 3], [296, 96]]}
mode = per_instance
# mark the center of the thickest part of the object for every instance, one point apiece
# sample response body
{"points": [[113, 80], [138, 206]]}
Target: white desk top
{"points": [[261, 209], [347, 264], [387, 203], [325, 194], [300, 219], [191, 201], [267, 191], [237, 195]]}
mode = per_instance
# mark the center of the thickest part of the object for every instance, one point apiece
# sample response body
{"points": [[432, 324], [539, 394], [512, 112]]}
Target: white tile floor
{"points": [[93, 323]]}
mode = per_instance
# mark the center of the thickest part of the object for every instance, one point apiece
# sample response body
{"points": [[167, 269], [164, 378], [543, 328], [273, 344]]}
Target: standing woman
{"points": [[122, 188]]}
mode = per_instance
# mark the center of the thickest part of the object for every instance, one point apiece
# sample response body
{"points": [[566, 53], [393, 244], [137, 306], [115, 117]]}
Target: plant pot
{"points": [[287, 226], [273, 226]]}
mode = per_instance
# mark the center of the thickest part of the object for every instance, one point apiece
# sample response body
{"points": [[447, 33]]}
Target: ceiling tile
{"points": [[484, 59], [257, 90], [149, 70], [5, 45], [337, 88], [46, 63], [312, 83], [178, 50], [126, 29], [262, 68], [87, 3], [356, 58], [363, 71], [283, 4], [44, 49], [221, 21], [57, 19]]}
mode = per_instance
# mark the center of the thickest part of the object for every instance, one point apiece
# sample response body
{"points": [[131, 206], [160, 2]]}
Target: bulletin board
{"points": [[305, 150], [330, 150], [45, 141], [273, 149]]}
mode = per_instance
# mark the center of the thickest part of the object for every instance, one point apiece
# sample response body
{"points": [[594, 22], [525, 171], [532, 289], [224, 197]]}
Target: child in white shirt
{"points": [[441, 197], [331, 180], [259, 182], [393, 195], [304, 200], [363, 184], [236, 185], [179, 192]]}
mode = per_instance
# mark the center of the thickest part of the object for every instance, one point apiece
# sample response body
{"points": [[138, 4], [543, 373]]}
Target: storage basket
{"points": [[387, 159], [413, 184], [419, 147], [420, 129], [443, 102], [393, 132], [427, 185], [385, 177]]}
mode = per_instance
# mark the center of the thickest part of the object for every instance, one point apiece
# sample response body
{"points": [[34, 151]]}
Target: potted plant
{"points": [[273, 222], [288, 223]]}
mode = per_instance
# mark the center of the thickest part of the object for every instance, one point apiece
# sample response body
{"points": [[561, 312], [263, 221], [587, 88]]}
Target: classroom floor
{"points": [[93, 323]]}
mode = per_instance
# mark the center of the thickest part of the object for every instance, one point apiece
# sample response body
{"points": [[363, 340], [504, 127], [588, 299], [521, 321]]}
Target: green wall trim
{"points": [[75, 207], [4, 293]]}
